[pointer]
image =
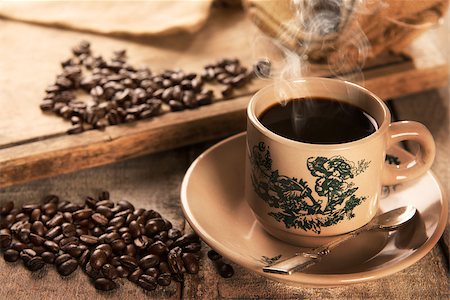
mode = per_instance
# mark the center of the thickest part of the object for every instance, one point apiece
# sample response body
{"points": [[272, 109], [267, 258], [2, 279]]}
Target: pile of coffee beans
{"points": [[225, 270], [120, 93], [106, 240]]}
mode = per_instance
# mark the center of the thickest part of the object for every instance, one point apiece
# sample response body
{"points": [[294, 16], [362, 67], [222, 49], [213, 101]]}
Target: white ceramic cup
{"points": [[305, 193]]}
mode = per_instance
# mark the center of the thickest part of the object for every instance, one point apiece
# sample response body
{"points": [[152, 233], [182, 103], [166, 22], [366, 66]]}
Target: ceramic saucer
{"points": [[213, 202]]}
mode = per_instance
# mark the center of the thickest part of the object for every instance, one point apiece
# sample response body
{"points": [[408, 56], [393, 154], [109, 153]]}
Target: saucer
{"points": [[212, 198]]}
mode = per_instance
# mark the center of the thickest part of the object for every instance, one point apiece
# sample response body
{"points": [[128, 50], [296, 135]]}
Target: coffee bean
{"points": [[104, 195], [105, 248], [27, 254], [135, 275], [152, 272], [186, 239], [68, 229], [89, 239], [5, 238], [227, 91], [105, 202], [193, 247], [18, 246], [147, 282], [75, 129], [73, 249], [173, 234], [149, 261], [109, 271], [131, 250], [11, 255], [35, 263], [225, 270], [82, 214], [157, 248], [98, 259], [104, 284], [118, 245], [213, 255], [68, 241], [36, 239], [51, 245], [53, 232], [175, 260], [57, 220], [122, 272], [48, 257], [135, 229], [154, 226], [68, 267], [129, 262], [190, 263], [164, 279], [117, 222], [176, 105]]}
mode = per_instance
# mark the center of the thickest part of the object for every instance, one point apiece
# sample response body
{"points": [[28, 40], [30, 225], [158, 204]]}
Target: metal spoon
{"points": [[388, 221]]}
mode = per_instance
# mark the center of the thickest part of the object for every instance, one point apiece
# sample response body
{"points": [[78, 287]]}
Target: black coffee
{"points": [[318, 121]]}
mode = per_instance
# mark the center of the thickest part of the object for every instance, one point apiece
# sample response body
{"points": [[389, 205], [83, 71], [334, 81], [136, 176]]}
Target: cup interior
{"points": [[335, 89]]}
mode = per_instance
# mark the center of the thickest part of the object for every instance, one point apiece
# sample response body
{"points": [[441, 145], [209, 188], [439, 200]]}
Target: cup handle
{"points": [[409, 131]]}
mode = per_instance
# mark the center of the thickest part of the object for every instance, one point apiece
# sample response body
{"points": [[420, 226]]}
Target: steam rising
{"points": [[328, 40]]}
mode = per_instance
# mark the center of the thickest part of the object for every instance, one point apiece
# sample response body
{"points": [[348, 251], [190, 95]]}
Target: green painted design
{"points": [[392, 159], [296, 205], [270, 260]]}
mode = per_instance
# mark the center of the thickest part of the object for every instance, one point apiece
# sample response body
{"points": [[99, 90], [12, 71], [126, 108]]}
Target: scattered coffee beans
{"points": [[121, 93], [106, 240], [225, 270]]}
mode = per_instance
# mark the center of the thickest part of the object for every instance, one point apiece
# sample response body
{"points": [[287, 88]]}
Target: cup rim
{"points": [[264, 130]]}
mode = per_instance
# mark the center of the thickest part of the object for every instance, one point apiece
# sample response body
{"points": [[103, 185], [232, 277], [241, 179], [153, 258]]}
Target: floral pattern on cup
{"points": [[296, 204]]}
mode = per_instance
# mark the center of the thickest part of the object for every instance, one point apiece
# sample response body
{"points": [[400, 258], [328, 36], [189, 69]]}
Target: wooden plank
{"points": [[148, 182]]}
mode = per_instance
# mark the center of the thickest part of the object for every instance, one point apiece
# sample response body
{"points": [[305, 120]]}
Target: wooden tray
{"points": [[34, 145]]}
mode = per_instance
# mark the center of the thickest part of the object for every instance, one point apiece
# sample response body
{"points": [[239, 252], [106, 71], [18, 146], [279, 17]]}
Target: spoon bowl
{"points": [[395, 218]]}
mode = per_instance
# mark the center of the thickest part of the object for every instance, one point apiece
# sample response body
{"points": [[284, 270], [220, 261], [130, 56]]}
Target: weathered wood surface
{"points": [[34, 145], [153, 181]]}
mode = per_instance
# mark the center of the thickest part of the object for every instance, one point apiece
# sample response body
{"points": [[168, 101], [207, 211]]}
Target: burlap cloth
{"points": [[134, 18], [366, 28]]}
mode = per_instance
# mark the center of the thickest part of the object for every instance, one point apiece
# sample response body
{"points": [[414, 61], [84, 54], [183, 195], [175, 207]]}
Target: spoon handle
{"points": [[302, 261]]}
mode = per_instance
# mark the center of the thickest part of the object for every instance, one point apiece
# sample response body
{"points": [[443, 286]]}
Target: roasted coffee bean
{"points": [[98, 259], [225, 270], [70, 207], [131, 250], [141, 242], [27, 254], [135, 229], [38, 228], [135, 275], [28, 208], [122, 272], [105, 211], [111, 236], [164, 279], [24, 235], [68, 267], [157, 248], [49, 208], [175, 260], [51, 245], [100, 219], [48, 257], [117, 222], [105, 202], [35, 263], [154, 226], [109, 271], [129, 262], [227, 91], [57, 220], [5, 238], [186, 239], [104, 284], [84, 258], [153, 272], [11, 255], [68, 229], [18, 246], [89, 239], [148, 261], [213, 255], [39, 249], [173, 234], [36, 239], [176, 105], [35, 215], [73, 249], [193, 247], [68, 241], [190, 263], [75, 129], [147, 282], [104, 195], [82, 214], [118, 245], [127, 238], [53, 232], [105, 248]]}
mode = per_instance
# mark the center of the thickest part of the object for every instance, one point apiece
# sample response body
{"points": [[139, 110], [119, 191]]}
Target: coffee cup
{"points": [[307, 193]]}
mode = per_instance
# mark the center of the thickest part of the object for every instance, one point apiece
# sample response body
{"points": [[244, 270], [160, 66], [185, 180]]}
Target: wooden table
{"points": [[153, 181]]}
